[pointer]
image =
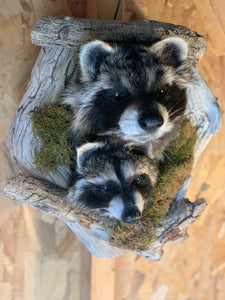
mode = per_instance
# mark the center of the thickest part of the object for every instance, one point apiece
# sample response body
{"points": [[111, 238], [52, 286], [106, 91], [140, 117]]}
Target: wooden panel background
{"points": [[39, 257]]}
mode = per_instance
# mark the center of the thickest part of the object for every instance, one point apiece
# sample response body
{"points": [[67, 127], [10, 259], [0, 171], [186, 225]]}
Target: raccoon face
{"points": [[136, 94], [113, 181]]}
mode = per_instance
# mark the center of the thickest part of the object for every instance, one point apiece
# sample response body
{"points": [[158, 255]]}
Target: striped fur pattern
{"points": [[113, 181]]}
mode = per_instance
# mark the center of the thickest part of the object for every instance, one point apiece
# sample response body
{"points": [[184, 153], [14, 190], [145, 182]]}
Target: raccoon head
{"points": [[113, 181], [134, 93]]}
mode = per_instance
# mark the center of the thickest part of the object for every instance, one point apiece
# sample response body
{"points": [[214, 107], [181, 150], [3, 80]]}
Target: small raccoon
{"points": [[134, 94], [113, 181]]}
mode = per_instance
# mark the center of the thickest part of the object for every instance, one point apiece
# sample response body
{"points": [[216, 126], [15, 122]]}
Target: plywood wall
{"points": [[39, 257]]}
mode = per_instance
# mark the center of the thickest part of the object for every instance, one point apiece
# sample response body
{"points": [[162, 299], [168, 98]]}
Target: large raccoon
{"points": [[115, 182], [134, 94]]}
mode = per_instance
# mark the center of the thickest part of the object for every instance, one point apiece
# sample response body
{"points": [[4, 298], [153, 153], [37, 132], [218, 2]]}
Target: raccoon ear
{"points": [[171, 51], [84, 155], [91, 57]]}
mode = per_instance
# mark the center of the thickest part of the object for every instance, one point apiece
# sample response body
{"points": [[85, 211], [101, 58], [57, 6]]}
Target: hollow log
{"points": [[57, 65]]}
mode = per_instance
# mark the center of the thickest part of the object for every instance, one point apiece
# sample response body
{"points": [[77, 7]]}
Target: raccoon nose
{"points": [[131, 215], [150, 120]]}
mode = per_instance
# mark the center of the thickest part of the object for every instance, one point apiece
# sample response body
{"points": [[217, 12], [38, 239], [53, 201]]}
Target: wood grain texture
{"points": [[10, 8], [39, 258], [69, 32], [91, 9]]}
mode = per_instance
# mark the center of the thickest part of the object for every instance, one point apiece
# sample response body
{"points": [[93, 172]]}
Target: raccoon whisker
{"points": [[176, 111], [175, 118], [171, 108], [168, 158]]}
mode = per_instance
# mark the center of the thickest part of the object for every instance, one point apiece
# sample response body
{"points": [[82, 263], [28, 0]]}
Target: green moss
{"points": [[52, 124], [173, 171]]}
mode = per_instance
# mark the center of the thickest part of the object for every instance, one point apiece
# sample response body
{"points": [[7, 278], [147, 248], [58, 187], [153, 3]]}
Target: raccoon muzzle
{"points": [[150, 120], [131, 215]]}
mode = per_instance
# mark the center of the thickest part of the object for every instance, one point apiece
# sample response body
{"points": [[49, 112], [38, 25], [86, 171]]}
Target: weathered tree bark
{"points": [[70, 32], [55, 66], [47, 197]]}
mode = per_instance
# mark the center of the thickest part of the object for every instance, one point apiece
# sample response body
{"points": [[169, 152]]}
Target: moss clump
{"points": [[52, 124], [173, 171]]}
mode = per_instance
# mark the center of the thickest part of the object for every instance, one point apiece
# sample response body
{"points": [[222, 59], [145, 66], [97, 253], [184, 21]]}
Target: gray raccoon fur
{"points": [[132, 94], [113, 181]]}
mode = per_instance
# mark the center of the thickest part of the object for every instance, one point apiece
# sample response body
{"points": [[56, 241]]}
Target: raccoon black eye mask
{"points": [[134, 94], [113, 181]]}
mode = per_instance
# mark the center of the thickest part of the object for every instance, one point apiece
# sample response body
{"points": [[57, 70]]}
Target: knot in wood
{"points": [[63, 33]]}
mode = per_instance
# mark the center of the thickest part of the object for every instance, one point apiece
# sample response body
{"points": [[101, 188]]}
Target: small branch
{"points": [[47, 197], [181, 215]]}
